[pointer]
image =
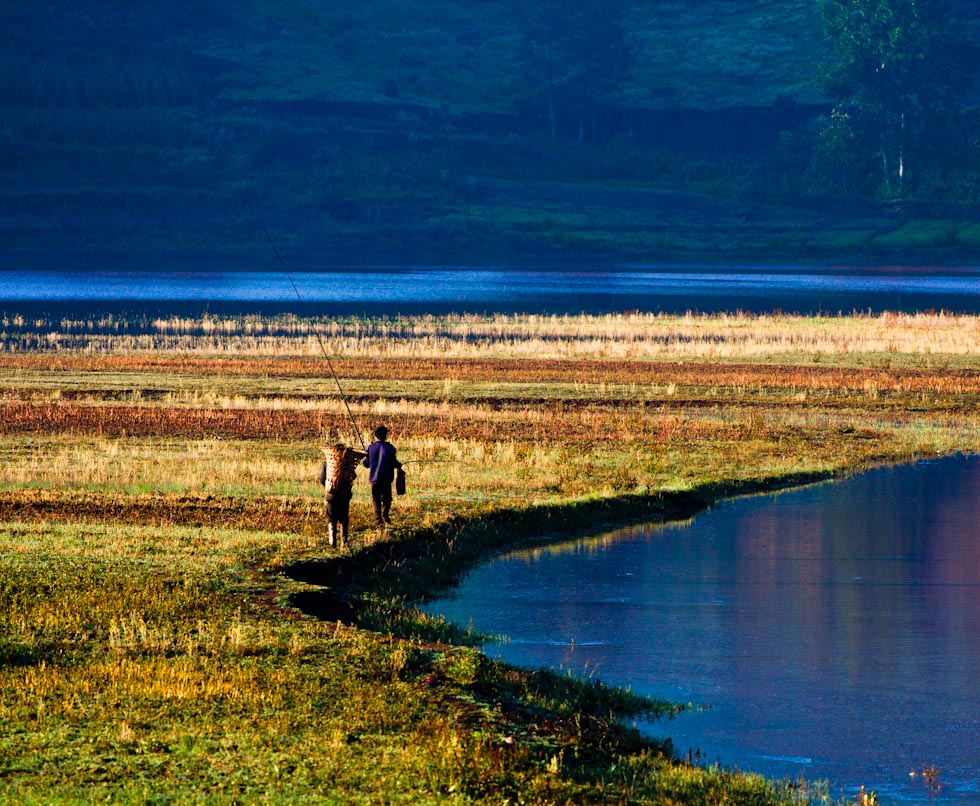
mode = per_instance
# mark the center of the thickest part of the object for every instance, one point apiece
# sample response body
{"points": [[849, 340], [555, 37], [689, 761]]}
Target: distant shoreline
{"points": [[258, 261]]}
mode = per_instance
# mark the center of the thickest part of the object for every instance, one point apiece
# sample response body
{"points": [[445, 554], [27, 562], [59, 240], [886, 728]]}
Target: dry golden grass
{"points": [[496, 411], [612, 337]]}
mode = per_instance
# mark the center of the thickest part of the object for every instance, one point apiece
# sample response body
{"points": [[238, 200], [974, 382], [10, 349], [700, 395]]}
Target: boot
{"points": [[343, 534], [332, 531]]}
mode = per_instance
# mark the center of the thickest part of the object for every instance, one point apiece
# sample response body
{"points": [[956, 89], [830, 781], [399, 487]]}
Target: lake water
{"points": [[834, 630], [668, 289]]}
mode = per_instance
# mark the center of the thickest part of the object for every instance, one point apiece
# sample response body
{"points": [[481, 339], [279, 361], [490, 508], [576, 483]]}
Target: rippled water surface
{"points": [[411, 290], [834, 630]]}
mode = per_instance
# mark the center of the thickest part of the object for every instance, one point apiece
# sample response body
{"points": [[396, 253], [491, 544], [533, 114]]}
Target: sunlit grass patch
{"points": [[197, 551], [231, 343]]}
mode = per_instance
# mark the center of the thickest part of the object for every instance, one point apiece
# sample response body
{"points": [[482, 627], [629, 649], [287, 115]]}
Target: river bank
{"points": [[781, 612], [515, 223]]}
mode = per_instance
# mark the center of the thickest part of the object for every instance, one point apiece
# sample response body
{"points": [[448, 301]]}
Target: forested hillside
{"points": [[466, 131]]}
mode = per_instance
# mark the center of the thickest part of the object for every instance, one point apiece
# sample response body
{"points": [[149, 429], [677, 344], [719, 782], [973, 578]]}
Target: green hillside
{"points": [[416, 132]]}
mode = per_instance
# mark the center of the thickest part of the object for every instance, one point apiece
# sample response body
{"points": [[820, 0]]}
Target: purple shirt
{"points": [[381, 459]]}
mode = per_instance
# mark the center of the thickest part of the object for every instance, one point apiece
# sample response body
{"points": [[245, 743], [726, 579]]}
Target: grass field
{"points": [[175, 627]]}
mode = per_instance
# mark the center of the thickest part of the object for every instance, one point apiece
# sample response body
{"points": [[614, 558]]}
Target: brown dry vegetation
{"points": [[558, 419], [566, 371]]}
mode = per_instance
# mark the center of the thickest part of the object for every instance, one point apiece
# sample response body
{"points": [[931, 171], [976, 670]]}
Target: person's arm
{"points": [[323, 474]]}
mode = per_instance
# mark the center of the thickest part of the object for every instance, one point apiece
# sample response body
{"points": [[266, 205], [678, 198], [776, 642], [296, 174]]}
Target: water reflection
{"points": [[834, 630]]}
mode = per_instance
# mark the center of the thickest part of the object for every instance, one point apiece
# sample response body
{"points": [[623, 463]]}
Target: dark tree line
{"points": [[901, 72], [575, 54]]}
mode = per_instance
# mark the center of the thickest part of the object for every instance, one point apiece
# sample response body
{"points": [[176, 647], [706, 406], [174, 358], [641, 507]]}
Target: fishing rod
{"points": [[319, 339], [430, 461]]}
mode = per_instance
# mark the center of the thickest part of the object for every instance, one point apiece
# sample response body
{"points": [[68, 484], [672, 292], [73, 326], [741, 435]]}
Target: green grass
{"points": [[174, 628], [136, 665], [938, 234]]}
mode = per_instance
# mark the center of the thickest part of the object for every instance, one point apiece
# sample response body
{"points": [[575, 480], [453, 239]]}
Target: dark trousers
{"points": [[338, 517], [381, 496], [338, 509]]}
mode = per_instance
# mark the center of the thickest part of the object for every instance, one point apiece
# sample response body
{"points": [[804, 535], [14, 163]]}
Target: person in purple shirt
{"points": [[382, 463]]}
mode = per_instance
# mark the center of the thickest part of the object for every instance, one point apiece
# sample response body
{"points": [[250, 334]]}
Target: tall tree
{"points": [[901, 68], [576, 55]]}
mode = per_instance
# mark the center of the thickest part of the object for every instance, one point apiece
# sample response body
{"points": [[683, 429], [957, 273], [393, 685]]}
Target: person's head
{"points": [[381, 433]]}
